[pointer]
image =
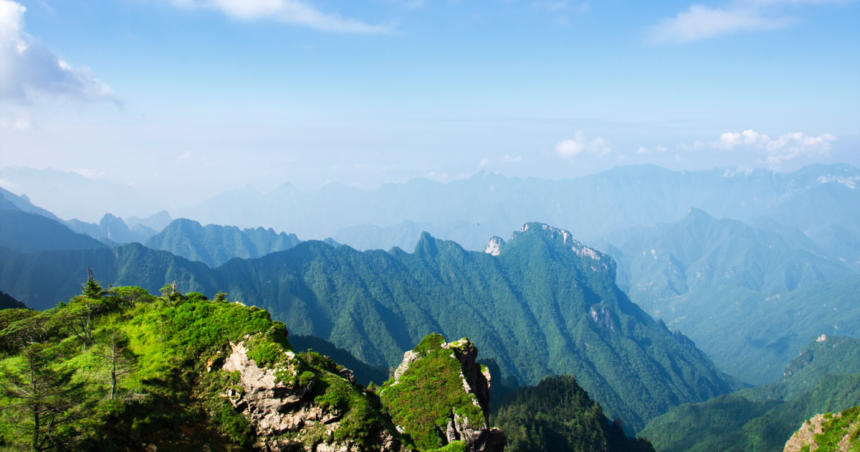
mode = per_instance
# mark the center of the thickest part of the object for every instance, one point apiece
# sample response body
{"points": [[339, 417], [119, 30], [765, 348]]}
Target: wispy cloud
{"points": [[28, 68], [509, 159], [293, 12], [703, 22], [573, 147], [775, 150]]}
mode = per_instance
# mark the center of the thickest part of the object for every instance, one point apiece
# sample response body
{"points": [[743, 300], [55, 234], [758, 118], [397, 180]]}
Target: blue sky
{"points": [[199, 96]]}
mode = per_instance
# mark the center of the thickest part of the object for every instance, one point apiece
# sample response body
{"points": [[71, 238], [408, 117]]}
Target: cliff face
{"points": [[440, 396], [278, 401]]}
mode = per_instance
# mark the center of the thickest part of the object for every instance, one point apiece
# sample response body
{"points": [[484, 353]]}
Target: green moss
{"points": [[428, 394], [835, 428], [455, 446], [429, 343], [266, 354]]}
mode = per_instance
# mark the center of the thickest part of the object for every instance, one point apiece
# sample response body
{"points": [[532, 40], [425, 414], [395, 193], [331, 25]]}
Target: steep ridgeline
{"points": [[7, 302], [751, 298], [11, 201], [829, 432], [544, 305], [112, 230], [214, 245], [28, 232], [439, 397], [824, 378], [559, 416]]}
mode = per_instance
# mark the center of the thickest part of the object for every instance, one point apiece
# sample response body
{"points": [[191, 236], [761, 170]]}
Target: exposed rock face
{"points": [[279, 402], [441, 380], [494, 246], [834, 433]]}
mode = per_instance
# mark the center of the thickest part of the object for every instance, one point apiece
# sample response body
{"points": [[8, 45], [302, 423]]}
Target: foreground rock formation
{"points": [[829, 432], [306, 403], [440, 397]]}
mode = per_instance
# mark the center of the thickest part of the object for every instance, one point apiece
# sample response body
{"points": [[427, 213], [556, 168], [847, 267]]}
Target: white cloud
{"points": [[776, 151], [28, 68], [484, 162], [643, 151], [509, 159], [702, 22], [571, 148], [293, 12], [660, 149], [7, 185]]}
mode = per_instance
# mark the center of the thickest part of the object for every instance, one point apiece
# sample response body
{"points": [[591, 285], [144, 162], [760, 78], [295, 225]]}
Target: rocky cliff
{"points": [[828, 433], [440, 396]]}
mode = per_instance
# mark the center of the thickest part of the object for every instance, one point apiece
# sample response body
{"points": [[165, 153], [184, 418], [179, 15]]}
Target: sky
{"points": [[189, 98]]}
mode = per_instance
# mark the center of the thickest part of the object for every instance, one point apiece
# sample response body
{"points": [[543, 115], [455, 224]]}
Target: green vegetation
{"points": [[734, 423], [115, 369], [214, 245], [751, 298], [557, 415], [839, 432], [824, 377], [430, 394], [364, 373], [823, 355], [543, 306]]}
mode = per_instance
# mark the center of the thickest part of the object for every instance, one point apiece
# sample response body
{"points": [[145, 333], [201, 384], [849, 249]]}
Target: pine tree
{"points": [[92, 289], [119, 361], [43, 401]]}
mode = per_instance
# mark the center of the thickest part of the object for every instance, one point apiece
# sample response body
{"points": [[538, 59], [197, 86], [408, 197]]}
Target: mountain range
{"points": [[545, 304], [487, 204]]}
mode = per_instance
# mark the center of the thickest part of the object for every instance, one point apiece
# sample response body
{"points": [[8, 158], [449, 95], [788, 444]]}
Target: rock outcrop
{"points": [[828, 433], [440, 394], [297, 403]]}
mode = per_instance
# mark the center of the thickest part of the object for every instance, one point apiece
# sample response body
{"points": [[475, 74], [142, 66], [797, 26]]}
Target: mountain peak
{"points": [[494, 246]]}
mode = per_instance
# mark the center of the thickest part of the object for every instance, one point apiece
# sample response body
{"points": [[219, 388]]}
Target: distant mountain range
{"points": [[470, 210], [749, 297], [215, 245]]}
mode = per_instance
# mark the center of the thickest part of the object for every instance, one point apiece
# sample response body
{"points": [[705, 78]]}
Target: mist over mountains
{"points": [[469, 211]]}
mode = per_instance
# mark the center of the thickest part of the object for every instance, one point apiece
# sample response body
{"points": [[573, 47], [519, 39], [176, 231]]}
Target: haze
{"points": [[182, 100]]}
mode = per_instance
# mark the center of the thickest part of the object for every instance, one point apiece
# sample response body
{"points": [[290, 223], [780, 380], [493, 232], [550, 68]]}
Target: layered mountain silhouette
{"points": [[545, 305]]}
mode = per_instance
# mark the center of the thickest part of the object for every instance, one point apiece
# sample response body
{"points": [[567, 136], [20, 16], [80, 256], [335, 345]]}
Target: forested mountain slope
{"points": [[825, 377], [546, 304], [749, 297], [215, 245]]}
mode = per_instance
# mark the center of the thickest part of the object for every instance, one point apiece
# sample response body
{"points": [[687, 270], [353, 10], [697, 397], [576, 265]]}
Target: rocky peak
{"points": [[565, 241], [494, 246], [440, 395], [288, 401]]}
